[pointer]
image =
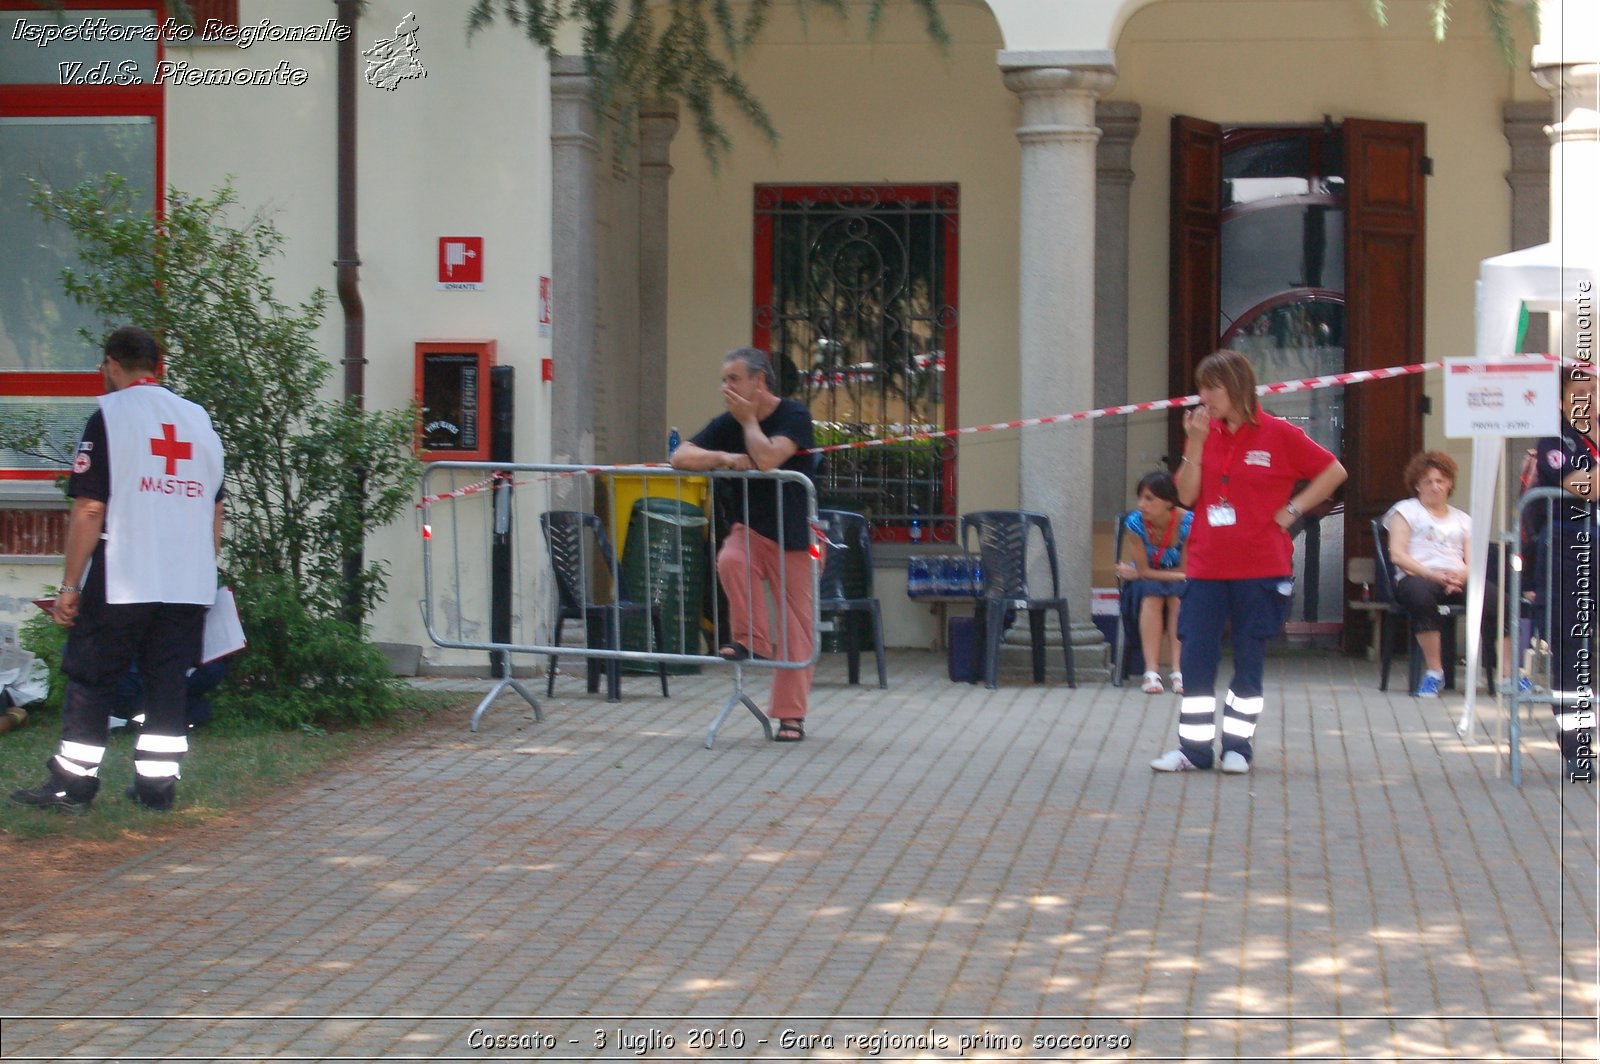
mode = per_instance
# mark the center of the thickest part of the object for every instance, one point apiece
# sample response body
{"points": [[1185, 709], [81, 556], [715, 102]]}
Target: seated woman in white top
{"points": [[1429, 543]]}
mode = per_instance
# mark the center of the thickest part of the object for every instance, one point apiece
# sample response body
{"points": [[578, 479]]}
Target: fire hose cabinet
{"points": [[453, 399]]}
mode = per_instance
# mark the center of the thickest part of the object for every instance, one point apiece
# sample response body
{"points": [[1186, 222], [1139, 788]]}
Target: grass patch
{"points": [[229, 766]]}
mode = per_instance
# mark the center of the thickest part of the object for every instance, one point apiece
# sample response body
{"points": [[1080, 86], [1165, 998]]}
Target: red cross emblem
{"points": [[168, 446]]}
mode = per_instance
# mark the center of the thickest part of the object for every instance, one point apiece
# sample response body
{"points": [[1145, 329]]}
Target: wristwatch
{"points": [[1294, 511]]}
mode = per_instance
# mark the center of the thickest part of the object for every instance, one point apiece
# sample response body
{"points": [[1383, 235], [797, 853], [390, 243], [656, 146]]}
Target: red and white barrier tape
{"points": [[1331, 380]]}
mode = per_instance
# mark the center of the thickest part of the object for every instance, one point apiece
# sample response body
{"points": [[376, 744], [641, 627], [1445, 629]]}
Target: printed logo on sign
{"points": [[394, 60], [1258, 458], [461, 263]]}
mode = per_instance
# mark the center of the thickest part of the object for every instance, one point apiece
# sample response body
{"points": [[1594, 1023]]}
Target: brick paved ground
{"points": [[936, 862]]}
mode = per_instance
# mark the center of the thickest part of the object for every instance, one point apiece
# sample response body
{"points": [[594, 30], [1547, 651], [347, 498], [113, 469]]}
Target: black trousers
{"points": [[164, 640], [1421, 598]]}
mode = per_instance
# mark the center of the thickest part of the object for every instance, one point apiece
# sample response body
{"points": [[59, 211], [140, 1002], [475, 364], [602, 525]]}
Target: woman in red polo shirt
{"points": [[1239, 470]]}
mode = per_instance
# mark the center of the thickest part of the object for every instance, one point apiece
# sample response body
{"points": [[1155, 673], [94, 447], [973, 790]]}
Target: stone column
{"points": [[658, 122], [1525, 123], [1056, 255], [575, 162], [1119, 125], [1566, 62]]}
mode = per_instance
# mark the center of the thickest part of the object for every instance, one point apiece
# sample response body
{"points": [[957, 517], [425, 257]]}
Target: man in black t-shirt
{"points": [[770, 539]]}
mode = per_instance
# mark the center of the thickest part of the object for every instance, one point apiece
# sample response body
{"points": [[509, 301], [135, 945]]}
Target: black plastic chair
{"points": [[1003, 552], [576, 541], [849, 559], [1447, 632]]}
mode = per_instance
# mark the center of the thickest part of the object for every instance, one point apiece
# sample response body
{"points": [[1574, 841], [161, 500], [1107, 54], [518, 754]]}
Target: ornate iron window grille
{"points": [[856, 298]]}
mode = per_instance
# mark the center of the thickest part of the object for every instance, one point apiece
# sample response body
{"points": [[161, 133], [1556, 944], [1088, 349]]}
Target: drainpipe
{"points": [[348, 266]]}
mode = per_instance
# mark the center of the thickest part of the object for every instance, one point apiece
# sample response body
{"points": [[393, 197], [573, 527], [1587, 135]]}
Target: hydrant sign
{"points": [[461, 263], [1501, 397]]}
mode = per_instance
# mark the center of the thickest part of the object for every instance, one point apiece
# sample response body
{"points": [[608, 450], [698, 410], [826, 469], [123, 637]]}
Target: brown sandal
{"points": [[791, 731]]}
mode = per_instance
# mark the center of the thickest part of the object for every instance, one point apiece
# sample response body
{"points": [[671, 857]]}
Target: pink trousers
{"points": [[747, 561]]}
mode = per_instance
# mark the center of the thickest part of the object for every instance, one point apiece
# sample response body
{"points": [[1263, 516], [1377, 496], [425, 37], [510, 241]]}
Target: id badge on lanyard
{"points": [[1221, 515]]}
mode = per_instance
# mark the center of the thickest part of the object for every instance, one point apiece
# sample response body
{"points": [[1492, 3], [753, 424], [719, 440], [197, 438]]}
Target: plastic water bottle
{"points": [[672, 441], [916, 525], [917, 577]]}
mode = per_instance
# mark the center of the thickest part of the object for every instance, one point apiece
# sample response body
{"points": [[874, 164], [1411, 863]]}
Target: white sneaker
{"points": [[1234, 763], [1172, 761], [1152, 684], [1177, 682]]}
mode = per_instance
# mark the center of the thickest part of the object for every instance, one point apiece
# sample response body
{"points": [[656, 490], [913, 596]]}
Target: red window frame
{"points": [[943, 194], [51, 101]]}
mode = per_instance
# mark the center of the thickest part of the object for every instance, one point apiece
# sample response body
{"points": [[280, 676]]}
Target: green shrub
{"points": [[45, 639], [301, 670]]}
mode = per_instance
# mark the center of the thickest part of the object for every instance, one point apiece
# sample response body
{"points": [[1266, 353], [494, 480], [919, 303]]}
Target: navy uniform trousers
{"points": [[164, 639], [1255, 609]]}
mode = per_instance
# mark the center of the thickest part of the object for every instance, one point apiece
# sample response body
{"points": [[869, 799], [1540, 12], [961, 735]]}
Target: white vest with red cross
{"points": [[166, 471]]}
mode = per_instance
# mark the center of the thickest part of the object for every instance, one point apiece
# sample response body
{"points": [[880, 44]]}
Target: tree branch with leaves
{"points": [[686, 51]]}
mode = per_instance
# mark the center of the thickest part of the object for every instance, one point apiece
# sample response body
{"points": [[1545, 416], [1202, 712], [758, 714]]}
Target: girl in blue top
{"points": [[1154, 557]]}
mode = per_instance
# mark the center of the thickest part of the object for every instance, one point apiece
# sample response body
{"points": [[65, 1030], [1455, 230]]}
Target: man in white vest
{"points": [[141, 570]]}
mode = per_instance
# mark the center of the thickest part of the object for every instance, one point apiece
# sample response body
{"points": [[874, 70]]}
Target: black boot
{"points": [[156, 795], [71, 796]]}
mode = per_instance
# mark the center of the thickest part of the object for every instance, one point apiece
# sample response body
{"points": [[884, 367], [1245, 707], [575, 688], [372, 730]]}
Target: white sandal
{"points": [[1152, 684], [1177, 682]]}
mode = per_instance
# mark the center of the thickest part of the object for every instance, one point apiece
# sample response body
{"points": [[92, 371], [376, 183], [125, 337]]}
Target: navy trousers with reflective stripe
{"points": [[164, 639], [1255, 610]]}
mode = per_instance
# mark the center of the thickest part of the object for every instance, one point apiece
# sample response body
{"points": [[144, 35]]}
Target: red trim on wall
{"points": [[82, 385], [30, 474]]}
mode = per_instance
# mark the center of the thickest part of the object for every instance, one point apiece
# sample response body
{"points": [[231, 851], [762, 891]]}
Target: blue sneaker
{"points": [[1430, 686], [1524, 685]]}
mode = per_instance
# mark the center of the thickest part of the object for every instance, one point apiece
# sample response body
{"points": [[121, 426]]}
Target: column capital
{"points": [[658, 124], [1574, 86], [1119, 127], [1057, 101], [1059, 80], [572, 117]]}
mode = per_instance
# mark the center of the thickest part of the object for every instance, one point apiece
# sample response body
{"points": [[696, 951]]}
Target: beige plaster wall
{"points": [[891, 108], [1292, 61], [464, 151]]}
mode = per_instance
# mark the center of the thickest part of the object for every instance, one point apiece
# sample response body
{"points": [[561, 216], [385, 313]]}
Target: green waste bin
{"points": [[664, 561]]}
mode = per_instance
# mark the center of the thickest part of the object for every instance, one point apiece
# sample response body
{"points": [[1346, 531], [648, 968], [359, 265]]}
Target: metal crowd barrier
{"points": [[1546, 669], [491, 582]]}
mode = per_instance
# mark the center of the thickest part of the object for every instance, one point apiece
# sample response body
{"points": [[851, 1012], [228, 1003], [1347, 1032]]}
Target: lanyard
{"points": [[1166, 540], [1233, 452]]}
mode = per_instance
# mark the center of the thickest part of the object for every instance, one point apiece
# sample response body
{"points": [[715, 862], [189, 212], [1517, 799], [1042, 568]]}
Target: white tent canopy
{"points": [[1541, 278]]}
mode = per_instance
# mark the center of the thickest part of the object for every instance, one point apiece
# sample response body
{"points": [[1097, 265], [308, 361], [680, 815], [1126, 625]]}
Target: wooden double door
{"points": [[1303, 248]]}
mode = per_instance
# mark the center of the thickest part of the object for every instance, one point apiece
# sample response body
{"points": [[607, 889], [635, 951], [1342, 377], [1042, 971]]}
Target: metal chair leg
{"points": [[877, 645], [1066, 645], [991, 642]]}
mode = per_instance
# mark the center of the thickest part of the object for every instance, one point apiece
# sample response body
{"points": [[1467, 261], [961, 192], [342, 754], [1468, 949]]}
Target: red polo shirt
{"points": [[1255, 470]]}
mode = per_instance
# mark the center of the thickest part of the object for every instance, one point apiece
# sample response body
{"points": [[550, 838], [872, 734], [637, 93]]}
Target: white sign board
{"points": [[1488, 397]]}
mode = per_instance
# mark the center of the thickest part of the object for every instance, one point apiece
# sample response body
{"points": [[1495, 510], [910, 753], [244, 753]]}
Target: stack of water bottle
{"points": [[943, 576]]}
